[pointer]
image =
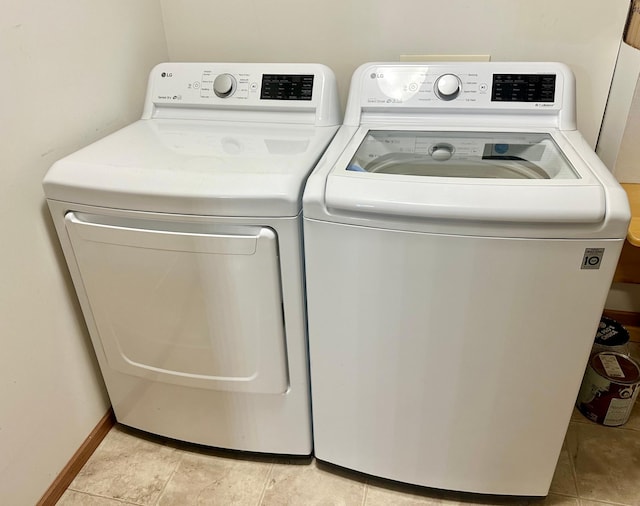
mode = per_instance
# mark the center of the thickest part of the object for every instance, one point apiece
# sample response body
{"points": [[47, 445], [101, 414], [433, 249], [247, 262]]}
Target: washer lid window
{"points": [[462, 155], [490, 177]]}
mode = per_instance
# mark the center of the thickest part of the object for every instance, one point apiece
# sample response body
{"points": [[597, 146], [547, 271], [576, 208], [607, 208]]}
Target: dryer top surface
{"points": [[193, 167]]}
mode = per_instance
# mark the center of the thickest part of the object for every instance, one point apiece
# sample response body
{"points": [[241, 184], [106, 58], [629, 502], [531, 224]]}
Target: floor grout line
{"points": [[604, 503], [266, 484], [364, 493], [173, 473], [572, 466], [99, 496], [589, 423], [564, 494]]}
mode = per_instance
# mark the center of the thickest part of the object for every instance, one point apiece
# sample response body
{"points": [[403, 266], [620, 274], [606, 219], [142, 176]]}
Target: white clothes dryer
{"points": [[182, 233], [460, 240]]}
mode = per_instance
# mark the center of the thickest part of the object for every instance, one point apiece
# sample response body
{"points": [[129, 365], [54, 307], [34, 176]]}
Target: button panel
{"points": [[458, 86], [191, 85], [304, 93]]}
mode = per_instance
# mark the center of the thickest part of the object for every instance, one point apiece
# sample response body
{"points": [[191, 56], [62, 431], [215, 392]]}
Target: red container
{"points": [[609, 388]]}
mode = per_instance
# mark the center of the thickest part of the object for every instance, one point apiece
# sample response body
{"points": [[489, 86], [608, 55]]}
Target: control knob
{"points": [[224, 85], [448, 86], [441, 152]]}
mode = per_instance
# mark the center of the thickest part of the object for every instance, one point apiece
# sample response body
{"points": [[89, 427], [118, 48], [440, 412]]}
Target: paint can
{"points": [[611, 336], [609, 388]]}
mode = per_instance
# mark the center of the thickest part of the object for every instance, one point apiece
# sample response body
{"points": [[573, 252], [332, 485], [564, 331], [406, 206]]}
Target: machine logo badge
{"points": [[592, 258]]}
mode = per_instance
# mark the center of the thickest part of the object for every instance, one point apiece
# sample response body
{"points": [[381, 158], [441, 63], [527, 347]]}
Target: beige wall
{"points": [[585, 34], [70, 72]]}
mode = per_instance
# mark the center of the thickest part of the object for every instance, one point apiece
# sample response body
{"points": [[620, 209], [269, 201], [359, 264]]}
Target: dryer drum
{"points": [[609, 388]]}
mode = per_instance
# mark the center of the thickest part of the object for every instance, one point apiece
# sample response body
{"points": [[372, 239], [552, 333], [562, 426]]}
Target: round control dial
{"points": [[441, 152], [224, 85], [448, 86]]}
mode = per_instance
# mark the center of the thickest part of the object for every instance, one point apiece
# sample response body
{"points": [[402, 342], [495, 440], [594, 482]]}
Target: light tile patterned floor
{"points": [[598, 465]]}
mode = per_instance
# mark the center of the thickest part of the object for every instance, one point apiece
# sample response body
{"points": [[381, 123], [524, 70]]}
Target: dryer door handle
{"points": [[176, 236]]}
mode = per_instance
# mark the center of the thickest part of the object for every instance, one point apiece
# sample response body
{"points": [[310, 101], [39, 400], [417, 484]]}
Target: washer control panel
{"points": [[492, 85]]}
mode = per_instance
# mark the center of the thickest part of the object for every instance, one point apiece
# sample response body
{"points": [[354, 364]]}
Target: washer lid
{"points": [[511, 177], [193, 167], [462, 155]]}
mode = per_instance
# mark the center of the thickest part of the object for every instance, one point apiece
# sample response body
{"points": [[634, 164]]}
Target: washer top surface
{"points": [[215, 139]]}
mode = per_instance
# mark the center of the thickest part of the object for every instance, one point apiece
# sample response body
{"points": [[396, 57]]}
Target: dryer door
{"points": [[186, 303]]}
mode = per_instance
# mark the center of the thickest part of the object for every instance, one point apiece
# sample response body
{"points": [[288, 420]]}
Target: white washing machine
{"points": [[182, 233], [460, 240]]}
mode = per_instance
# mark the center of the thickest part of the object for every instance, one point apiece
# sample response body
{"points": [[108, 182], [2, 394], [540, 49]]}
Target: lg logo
{"points": [[375, 75], [167, 74]]}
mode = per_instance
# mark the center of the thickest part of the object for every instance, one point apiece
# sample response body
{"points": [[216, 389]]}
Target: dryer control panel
{"points": [[514, 88], [200, 88], [286, 89]]}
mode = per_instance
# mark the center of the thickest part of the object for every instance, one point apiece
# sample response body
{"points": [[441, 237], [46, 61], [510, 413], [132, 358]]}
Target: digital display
{"points": [[286, 87], [523, 88]]}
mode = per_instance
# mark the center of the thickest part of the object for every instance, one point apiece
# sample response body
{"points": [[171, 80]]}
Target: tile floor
{"points": [[598, 465]]}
